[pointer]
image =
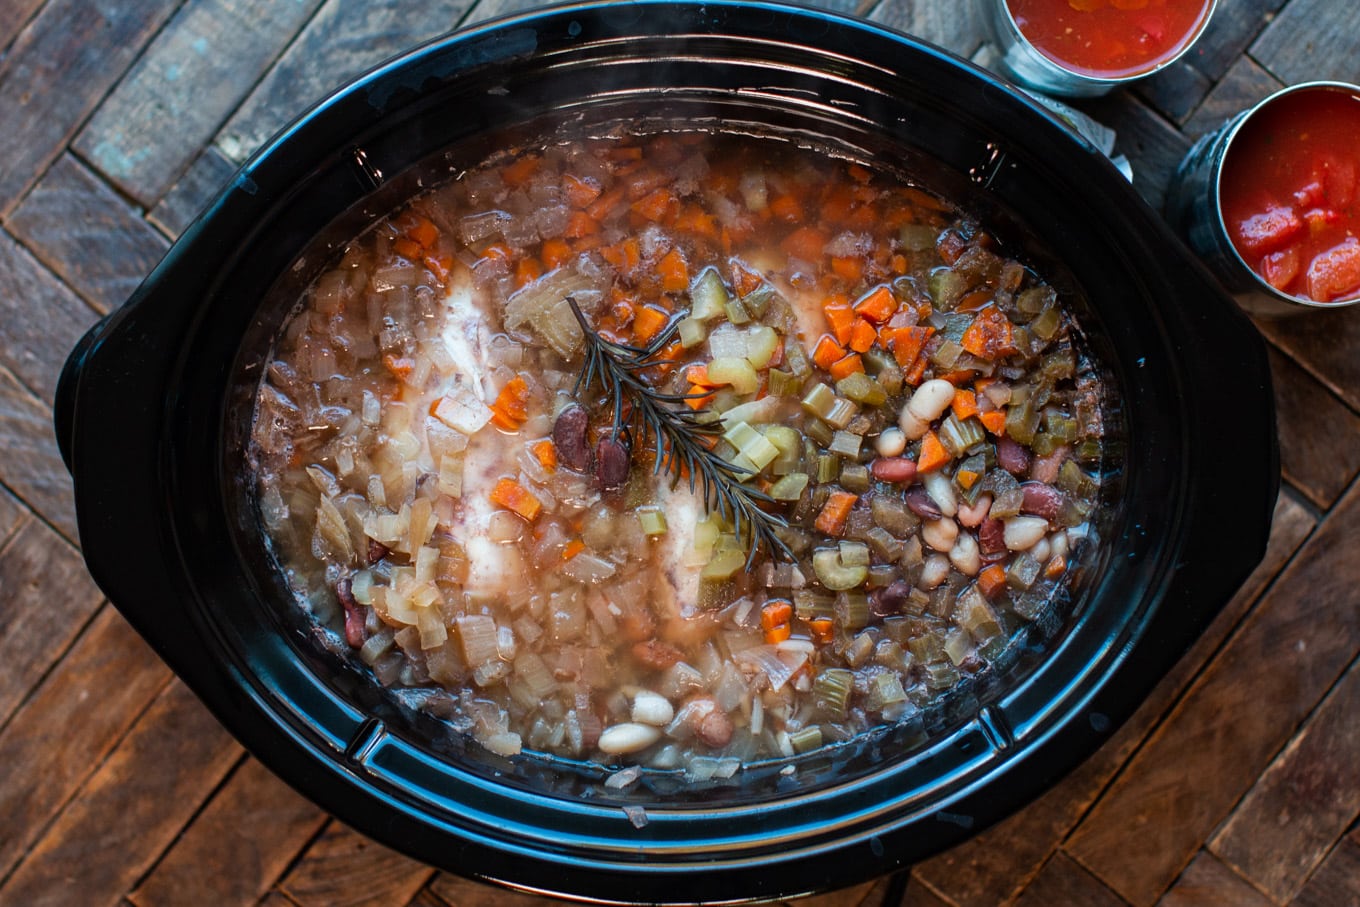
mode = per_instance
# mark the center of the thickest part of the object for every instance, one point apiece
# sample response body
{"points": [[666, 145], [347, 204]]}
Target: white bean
{"points": [[891, 442], [965, 555], [1059, 543], [972, 515], [941, 490], [934, 571], [1041, 551], [628, 737], [940, 534], [1024, 532], [930, 399], [652, 708]]}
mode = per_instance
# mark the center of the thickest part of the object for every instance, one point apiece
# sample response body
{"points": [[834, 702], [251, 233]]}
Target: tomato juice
{"points": [[1289, 193], [1109, 38]]}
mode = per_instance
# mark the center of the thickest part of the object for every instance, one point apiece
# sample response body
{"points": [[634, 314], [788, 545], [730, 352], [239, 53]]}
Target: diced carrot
{"points": [[573, 548], [859, 173], [822, 630], [862, 336], [916, 371], [827, 352], [580, 224], [527, 271], [744, 280], [696, 222], [958, 376], [924, 200], [424, 232], [786, 207], [581, 191], [603, 207], [545, 452], [622, 309], [440, 266], [842, 368], [835, 204], [647, 323], [674, 272], [806, 243], [698, 396], [950, 246], [407, 248], [974, 301], [624, 153], [777, 634], [840, 317], [400, 366], [992, 580], [898, 264], [933, 455], [776, 612], [658, 206], [698, 374], [519, 172], [847, 268], [877, 306], [511, 406], [964, 404], [668, 356], [516, 498], [905, 343], [1057, 565], [994, 421], [554, 253], [836, 510], [990, 336]]}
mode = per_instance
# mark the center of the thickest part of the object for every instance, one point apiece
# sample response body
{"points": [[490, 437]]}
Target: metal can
{"points": [[1194, 208], [1017, 58]]}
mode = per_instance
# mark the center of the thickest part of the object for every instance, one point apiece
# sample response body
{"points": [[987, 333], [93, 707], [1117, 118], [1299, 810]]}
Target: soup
{"points": [[1109, 38], [678, 451], [1290, 197]]}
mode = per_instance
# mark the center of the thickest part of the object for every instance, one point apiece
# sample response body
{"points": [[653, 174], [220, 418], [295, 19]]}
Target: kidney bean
{"points": [[354, 615], [637, 624], [377, 551], [992, 536], [656, 654], [1011, 457], [1045, 469], [922, 504], [890, 600], [569, 438], [715, 728], [893, 469], [972, 515], [612, 460], [1041, 500]]}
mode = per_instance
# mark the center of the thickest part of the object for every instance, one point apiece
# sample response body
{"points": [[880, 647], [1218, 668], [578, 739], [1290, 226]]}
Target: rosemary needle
{"points": [[678, 433]]}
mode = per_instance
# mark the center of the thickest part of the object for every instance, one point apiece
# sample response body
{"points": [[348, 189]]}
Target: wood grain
{"points": [[1317, 450], [1304, 802], [57, 71], [345, 38], [1235, 24], [342, 868], [1176, 91], [206, 177], [1236, 717], [1337, 881], [87, 702], [84, 232], [1325, 344], [1245, 84], [1152, 144], [40, 319], [953, 26], [237, 847], [31, 467], [1062, 881], [130, 810], [192, 76], [1208, 883], [13, 15], [1296, 50]]}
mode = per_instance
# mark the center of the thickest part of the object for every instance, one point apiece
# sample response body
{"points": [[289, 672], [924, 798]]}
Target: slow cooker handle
{"points": [[64, 405]]}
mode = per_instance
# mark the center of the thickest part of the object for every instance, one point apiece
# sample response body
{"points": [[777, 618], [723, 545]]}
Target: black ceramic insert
{"points": [[151, 408]]}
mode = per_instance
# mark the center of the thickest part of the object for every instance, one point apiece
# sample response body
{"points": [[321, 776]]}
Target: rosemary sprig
{"points": [[676, 430]]}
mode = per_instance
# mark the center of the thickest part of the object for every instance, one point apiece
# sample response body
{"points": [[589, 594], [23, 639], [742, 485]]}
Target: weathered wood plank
{"points": [[192, 76], [1311, 39], [13, 15], [342, 868], [993, 867], [87, 703], [235, 849], [57, 71], [1244, 85], [1234, 25], [84, 232], [919, 895], [47, 598], [953, 26], [1175, 91], [1269, 675], [1303, 803], [1208, 883], [40, 319], [1323, 342], [31, 467], [1337, 881], [1153, 146], [456, 891], [130, 810], [1318, 452], [195, 189], [345, 38], [1062, 881], [11, 513]]}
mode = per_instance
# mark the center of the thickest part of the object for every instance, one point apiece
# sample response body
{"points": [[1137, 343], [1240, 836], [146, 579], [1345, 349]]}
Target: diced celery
{"points": [[1046, 325], [862, 389], [761, 342], [736, 312], [783, 384], [832, 688], [805, 740], [758, 300], [819, 400], [760, 452], [884, 544], [725, 563], [819, 432], [735, 372], [1022, 572], [691, 332], [790, 445], [707, 295], [945, 287], [1021, 422], [795, 357], [891, 513], [854, 554], [653, 520], [809, 604], [842, 411], [855, 477], [958, 435], [946, 354], [918, 237], [1035, 300], [789, 487], [739, 434], [835, 575], [847, 444], [852, 610]]}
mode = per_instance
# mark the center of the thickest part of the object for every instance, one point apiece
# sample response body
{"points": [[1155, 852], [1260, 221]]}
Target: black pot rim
{"points": [[152, 518]]}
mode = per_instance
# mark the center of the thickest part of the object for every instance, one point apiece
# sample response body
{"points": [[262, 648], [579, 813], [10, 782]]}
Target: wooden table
{"points": [[1237, 782]]}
